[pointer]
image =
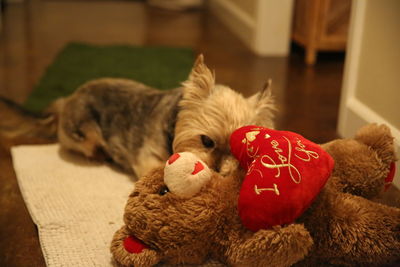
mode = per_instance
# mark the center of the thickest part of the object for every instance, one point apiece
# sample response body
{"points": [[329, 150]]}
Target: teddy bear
{"points": [[186, 213], [346, 227]]}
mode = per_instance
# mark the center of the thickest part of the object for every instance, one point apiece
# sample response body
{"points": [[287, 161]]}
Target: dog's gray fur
{"points": [[131, 123], [138, 127]]}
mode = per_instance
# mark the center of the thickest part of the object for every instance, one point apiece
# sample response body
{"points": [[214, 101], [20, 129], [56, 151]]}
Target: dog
{"points": [[138, 127]]}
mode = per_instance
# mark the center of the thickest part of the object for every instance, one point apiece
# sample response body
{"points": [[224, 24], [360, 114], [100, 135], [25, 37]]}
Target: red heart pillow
{"points": [[285, 172]]}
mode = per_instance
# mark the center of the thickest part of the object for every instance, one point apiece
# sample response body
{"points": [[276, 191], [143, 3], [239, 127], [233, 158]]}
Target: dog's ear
{"points": [[265, 93], [201, 81], [264, 97], [264, 104]]}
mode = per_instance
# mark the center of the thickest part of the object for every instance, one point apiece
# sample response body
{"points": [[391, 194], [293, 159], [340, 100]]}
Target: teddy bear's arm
{"points": [[280, 246], [147, 257]]}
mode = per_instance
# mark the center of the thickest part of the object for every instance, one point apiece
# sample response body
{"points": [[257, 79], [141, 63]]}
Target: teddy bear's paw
{"points": [[380, 139], [128, 251]]}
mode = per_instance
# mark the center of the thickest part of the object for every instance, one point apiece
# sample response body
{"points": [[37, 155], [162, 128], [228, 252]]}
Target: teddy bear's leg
{"points": [[280, 246], [362, 164], [355, 232], [138, 256]]}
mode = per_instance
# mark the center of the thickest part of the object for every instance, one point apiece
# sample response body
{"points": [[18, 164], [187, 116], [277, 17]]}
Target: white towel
{"points": [[77, 204]]}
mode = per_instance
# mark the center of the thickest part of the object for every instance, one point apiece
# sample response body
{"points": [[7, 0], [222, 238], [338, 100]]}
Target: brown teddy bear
{"points": [[187, 213]]}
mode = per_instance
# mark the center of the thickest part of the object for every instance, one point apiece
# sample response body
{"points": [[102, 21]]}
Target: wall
{"points": [[263, 25], [249, 7], [379, 71], [371, 91]]}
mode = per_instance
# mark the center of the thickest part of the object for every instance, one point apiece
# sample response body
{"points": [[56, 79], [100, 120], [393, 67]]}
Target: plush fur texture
{"points": [[339, 228], [188, 230], [347, 228], [138, 127]]}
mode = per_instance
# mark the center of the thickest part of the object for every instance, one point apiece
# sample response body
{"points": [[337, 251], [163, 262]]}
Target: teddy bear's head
{"points": [[175, 209]]}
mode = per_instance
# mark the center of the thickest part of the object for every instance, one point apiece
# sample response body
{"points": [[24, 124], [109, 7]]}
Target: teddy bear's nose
{"points": [[185, 174]]}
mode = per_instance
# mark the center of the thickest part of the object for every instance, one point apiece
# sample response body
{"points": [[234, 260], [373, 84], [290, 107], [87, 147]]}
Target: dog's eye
{"points": [[163, 191], [207, 141]]}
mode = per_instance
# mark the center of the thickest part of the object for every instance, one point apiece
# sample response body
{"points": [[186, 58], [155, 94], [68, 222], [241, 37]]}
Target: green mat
{"points": [[160, 67]]}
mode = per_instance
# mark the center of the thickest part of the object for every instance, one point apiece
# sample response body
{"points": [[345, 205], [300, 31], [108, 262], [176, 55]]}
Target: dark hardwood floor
{"points": [[34, 31]]}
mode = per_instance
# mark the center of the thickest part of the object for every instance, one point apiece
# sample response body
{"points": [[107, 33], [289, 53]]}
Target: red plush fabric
{"points": [[134, 245], [198, 167], [390, 177], [285, 172], [173, 158]]}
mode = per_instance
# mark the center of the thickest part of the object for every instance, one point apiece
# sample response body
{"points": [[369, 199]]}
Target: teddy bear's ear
{"points": [[185, 174], [129, 251]]}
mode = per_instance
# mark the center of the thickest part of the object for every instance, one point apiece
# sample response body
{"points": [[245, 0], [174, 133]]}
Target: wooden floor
{"points": [[33, 34], [35, 31]]}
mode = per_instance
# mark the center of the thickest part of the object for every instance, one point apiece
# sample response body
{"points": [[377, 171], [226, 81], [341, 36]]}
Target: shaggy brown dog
{"points": [[138, 127]]}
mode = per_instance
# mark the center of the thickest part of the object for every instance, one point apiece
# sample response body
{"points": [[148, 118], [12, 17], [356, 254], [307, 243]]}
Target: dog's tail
{"points": [[17, 123]]}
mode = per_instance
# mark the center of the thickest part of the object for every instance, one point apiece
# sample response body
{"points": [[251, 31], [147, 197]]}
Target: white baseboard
{"points": [[358, 114]]}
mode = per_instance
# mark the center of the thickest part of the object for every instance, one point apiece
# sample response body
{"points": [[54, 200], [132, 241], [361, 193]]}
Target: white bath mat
{"points": [[76, 204]]}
